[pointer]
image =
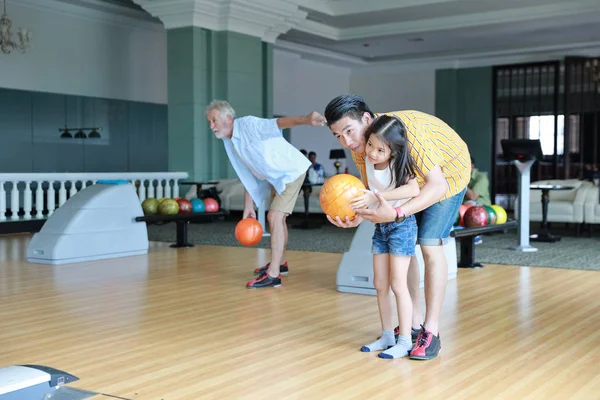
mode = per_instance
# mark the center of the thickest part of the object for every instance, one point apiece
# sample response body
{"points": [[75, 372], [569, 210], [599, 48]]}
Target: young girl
{"points": [[391, 172]]}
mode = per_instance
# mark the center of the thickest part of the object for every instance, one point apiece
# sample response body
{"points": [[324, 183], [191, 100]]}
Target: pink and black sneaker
{"points": [[427, 346], [283, 269], [264, 280]]}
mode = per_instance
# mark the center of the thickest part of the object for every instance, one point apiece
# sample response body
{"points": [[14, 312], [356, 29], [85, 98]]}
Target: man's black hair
{"points": [[346, 105]]}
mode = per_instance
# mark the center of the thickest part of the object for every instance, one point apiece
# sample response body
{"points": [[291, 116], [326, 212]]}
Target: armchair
{"points": [[564, 206], [591, 211]]}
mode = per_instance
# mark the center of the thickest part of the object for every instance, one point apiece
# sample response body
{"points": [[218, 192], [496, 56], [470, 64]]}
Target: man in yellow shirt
{"points": [[443, 170]]}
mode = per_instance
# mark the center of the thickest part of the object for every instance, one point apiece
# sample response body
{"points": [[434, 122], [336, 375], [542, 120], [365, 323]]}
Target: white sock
{"points": [[401, 349], [384, 342]]}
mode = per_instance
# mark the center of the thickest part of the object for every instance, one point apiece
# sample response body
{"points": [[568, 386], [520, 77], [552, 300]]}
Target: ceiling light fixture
{"points": [[80, 134]]}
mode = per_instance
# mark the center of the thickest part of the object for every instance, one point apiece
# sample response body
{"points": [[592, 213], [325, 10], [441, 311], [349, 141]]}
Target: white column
{"points": [[159, 189], [62, 194], [14, 200], [142, 190], [168, 188], [2, 202], [73, 190], [51, 196], [151, 189], [39, 200], [27, 201]]}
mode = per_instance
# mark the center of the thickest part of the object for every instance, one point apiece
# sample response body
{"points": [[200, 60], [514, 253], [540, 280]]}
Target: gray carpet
{"points": [[327, 238], [571, 252]]}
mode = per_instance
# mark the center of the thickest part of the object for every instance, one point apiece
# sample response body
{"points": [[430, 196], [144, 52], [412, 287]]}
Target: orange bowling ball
{"points": [[248, 232], [337, 193]]}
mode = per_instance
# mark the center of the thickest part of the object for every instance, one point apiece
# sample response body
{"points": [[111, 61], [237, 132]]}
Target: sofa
{"points": [[232, 196], [564, 205], [591, 208]]}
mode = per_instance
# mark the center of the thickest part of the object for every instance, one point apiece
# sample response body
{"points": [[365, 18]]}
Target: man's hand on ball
{"points": [[249, 213], [347, 223]]}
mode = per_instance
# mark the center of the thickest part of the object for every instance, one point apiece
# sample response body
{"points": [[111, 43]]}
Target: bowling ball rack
{"points": [[181, 223], [466, 237]]}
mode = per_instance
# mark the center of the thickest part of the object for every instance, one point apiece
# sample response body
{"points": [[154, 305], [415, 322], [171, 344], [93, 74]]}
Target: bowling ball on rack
{"points": [[185, 206], [197, 206], [461, 214], [501, 216], [475, 216], [168, 207], [150, 206], [211, 205], [492, 217]]}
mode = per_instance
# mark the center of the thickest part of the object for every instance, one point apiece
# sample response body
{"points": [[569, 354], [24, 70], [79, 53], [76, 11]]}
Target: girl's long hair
{"points": [[391, 131]]}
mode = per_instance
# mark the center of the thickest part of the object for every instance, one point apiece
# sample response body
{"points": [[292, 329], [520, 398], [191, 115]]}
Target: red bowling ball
{"points": [[211, 205], [475, 216], [185, 206], [461, 212]]}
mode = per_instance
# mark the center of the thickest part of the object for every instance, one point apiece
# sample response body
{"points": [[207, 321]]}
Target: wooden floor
{"points": [[180, 324]]}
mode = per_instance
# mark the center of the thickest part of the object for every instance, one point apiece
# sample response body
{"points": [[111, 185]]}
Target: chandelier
{"points": [[7, 44]]}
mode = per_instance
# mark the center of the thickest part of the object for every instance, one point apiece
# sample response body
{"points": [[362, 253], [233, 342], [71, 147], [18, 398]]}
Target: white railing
{"points": [[40, 201]]}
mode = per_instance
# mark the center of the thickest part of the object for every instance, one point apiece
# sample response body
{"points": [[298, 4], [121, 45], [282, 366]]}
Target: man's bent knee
{"points": [[275, 216]]}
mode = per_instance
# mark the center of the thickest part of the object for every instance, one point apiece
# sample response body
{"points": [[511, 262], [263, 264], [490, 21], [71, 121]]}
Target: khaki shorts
{"points": [[286, 201]]}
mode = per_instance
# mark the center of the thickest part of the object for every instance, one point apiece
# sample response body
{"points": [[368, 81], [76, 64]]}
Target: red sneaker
{"points": [[283, 269], [427, 346], [264, 280]]}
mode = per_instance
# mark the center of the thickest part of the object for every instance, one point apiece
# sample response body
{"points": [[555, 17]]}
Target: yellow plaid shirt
{"points": [[433, 143]]}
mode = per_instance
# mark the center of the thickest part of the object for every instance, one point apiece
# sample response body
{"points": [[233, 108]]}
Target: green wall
{"points": [[463, 99], [133, 135], [202, 66]]}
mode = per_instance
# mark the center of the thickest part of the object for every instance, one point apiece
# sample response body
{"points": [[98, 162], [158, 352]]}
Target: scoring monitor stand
{"points": [[523, 153]]}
